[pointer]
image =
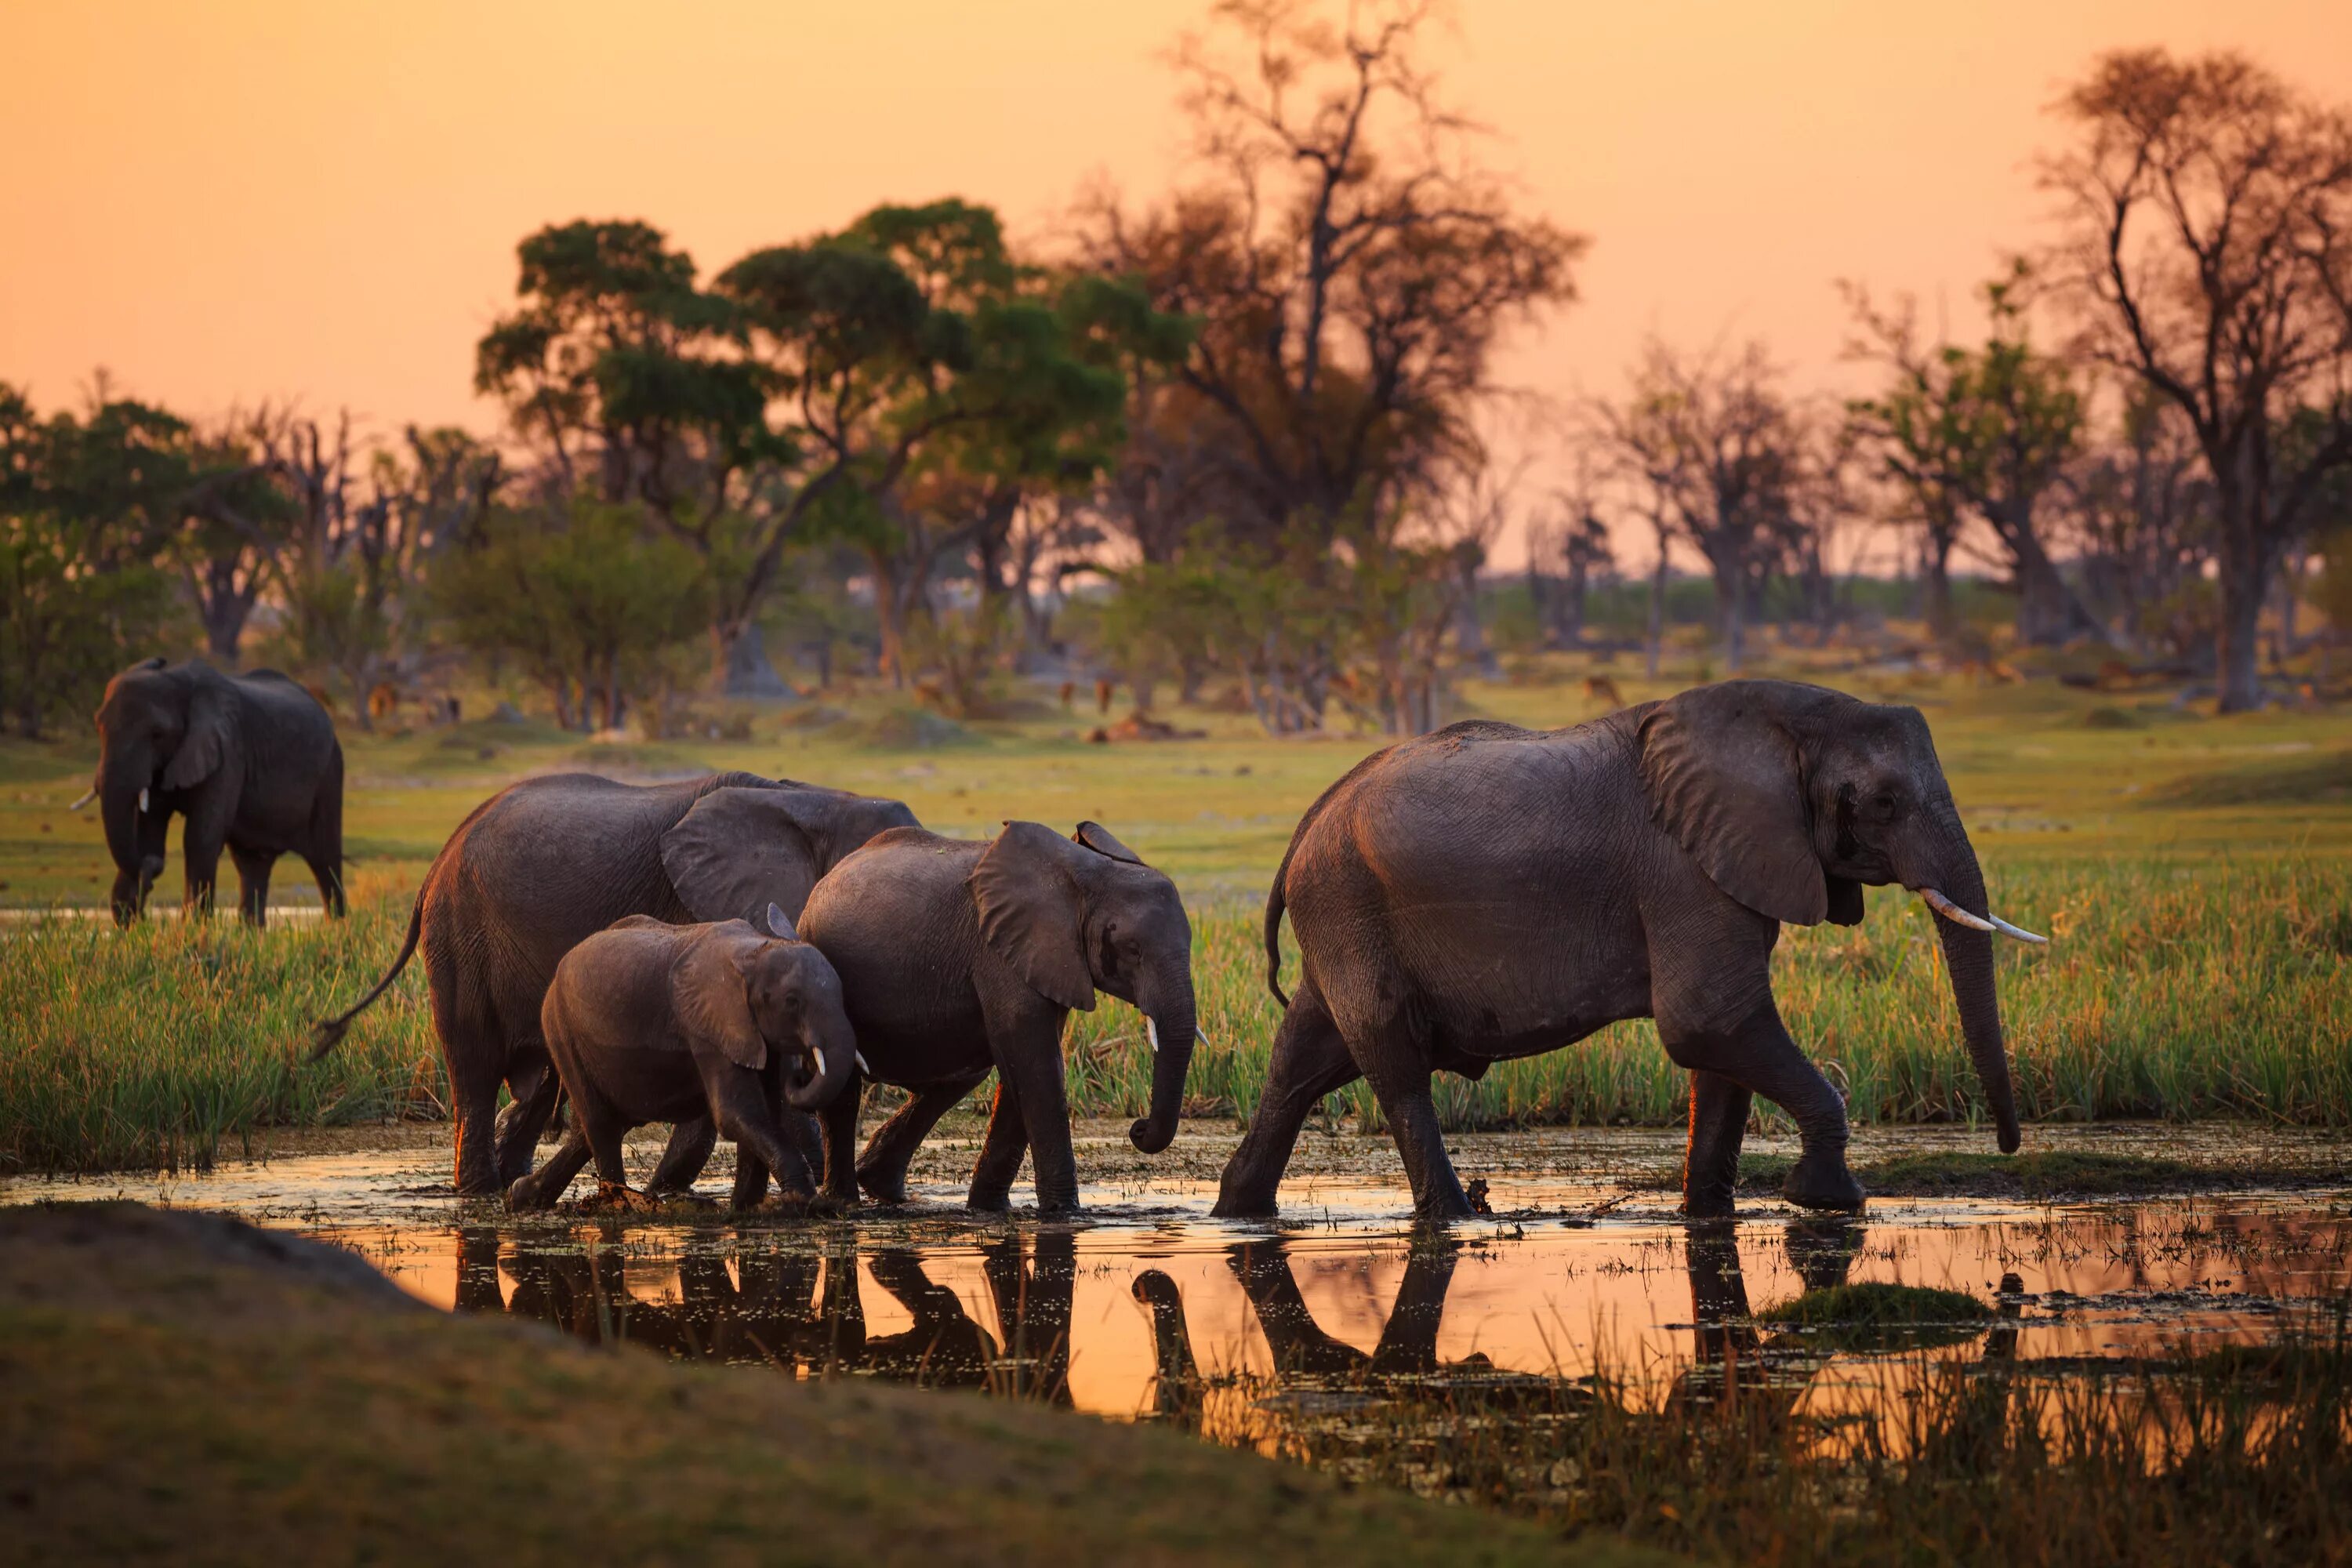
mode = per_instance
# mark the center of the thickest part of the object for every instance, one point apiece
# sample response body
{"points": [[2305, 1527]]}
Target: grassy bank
{"points": [[2176, 989], [184, 1390]]}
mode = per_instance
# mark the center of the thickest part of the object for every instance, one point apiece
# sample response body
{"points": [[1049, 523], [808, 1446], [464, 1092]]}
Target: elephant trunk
{"points": [[1168, 1004], [1968, 954], [832, 1049], [122, 784]]}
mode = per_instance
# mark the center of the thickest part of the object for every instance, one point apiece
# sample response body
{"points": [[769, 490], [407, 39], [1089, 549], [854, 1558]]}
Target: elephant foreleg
{"points": [[1758, 1056], [1309, 1060], [839, 1124], [1718, 1121]]}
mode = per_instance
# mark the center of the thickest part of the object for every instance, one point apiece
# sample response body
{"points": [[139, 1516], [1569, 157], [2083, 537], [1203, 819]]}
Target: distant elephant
{"points": [[651, 1022], [251, 761], [542, 865], [1487, 892], [960, 957]]}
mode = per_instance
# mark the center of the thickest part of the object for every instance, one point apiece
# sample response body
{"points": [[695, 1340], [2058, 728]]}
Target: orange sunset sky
{"points": [[237, 201]]}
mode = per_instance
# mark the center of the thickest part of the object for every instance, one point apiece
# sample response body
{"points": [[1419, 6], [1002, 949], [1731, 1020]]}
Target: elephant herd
{"points": [[734, 954]]}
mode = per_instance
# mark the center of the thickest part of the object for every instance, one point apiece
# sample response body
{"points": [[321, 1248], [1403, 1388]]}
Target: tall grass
{"points": [[2173, 989]]}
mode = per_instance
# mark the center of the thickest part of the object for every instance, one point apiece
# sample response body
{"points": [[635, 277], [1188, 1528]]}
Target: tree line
{"points": [[1245, 434]]}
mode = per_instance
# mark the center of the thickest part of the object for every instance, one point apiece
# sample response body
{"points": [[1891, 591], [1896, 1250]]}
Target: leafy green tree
{"points": [[593, 603], [85, 503], [1986, 431]]}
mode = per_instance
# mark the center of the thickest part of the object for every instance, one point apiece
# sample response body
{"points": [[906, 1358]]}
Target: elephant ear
{"points": [[1097, 837], [741, 849], [1725, 781], [206, 744], [707, 992], [1031, 914]]}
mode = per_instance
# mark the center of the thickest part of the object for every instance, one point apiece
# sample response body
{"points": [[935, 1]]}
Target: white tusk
{"points": [[1953, 912], [1151, 1032], [862, 1066], [1200, 1037], [142, 802], [85, 800], [820, 1060], [2020, 933]]}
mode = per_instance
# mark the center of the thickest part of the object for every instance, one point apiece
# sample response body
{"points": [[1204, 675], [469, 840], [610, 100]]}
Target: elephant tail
{"points": [[330, 1031]]}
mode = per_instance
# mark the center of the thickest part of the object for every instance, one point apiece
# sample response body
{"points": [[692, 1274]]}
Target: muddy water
{"points": [[1151, 1297]]}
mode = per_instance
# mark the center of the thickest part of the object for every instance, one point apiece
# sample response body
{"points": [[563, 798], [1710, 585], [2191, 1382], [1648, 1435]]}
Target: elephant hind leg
{"points": [[683, 1158], [882, 1169], [1395, 1059], [327, 870], [474, 1049], [1719, 1122], [531, 1078], [543, 1186], [1309, 1060], [253, 868], [1000, 1154]]}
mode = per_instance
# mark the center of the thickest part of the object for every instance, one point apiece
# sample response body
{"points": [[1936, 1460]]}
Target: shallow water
{"points": [[1150, 1296]]}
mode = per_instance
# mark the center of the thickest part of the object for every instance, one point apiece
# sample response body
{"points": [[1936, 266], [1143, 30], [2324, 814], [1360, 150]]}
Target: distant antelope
{"points": [[1103, 687], [383, 701], [1602, 690], [1069, 694]]}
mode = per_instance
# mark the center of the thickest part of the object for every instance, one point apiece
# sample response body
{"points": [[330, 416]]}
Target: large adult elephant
{"points": [[1488, 892], [544, 864], [250, 761]]}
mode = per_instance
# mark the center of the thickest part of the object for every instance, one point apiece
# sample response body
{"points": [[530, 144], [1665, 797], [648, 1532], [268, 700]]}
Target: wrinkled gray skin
{"points": [[650, 1022], [544, 864], [250, 761], [1488, 892], [960, 957]]}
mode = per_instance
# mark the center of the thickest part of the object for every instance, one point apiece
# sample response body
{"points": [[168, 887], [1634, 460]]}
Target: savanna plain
{"points": [[2130, 1340]]}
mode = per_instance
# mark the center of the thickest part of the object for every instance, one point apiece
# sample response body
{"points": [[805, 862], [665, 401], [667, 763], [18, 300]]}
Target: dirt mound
{"points": [[185, 1389]]}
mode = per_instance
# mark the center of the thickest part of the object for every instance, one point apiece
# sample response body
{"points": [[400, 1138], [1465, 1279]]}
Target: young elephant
{"points": [[651, 1022], [960, 957]]}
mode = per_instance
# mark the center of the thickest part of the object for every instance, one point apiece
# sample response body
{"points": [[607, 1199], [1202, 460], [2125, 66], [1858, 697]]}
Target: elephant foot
{"points": [[882, 1186], [1707, 1206], [1057, 1208], [524, 1198], [1823, 1181], [810, 1204], [989, 1201], [1243, 1208]]}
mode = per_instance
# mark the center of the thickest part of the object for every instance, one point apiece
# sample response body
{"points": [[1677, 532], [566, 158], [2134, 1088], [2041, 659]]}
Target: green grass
{"points": [[2203, 965], [1877, 1317]]}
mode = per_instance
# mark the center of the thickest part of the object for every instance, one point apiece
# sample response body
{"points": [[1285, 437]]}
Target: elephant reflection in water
{"points": [[801, 1311], [1300, 1346], [1736, 1367]]}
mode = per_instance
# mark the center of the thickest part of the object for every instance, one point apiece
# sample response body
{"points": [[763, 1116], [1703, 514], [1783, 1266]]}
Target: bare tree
{"points": [[2207, 250], [1351, 264], [1711, 438]]}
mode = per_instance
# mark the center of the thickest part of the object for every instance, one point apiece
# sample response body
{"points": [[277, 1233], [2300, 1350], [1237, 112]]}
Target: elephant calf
{"points": [[960, 957], [650, 1022]]}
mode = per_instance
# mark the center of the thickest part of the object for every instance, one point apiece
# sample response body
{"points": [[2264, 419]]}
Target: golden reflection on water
{"points": [[1115, 1319]]}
